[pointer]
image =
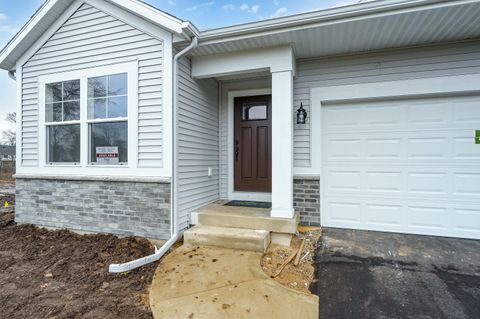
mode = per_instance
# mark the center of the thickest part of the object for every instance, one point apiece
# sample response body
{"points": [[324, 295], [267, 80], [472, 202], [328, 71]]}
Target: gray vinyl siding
{"points": [[198, 142], [92, 38], [433, 61]]}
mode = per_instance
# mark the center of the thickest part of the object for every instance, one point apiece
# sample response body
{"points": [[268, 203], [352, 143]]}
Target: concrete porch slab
{"points": [[206, 282]]}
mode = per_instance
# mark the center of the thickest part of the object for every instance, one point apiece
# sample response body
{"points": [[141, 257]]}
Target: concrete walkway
{"points": [[206, 282]]}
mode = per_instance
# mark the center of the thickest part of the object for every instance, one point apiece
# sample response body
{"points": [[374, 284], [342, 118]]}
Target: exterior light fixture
{"points": [[301, 115]]}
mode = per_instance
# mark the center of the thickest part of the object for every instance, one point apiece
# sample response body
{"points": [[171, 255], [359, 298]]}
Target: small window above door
{"points": [[254, 112]]}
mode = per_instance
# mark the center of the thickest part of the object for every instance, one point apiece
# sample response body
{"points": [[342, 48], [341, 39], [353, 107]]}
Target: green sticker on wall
{"points": [[477, 137]]}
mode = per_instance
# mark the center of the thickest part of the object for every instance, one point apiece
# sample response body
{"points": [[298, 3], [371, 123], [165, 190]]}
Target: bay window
{"points": [[86, 117]]}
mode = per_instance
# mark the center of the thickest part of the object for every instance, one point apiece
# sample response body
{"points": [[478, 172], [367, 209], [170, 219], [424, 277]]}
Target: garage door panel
{"points": [[344, 213], [428, 113], [409, 148], [466, 221], [345, 180], [404, 166], [462, 147], [467, 184], [428, 183], [383, 181], [383, 214], [466, 112], [426, 217], [380, 116], [348, 117], [383, 148], [343, 149], [427, 148]]}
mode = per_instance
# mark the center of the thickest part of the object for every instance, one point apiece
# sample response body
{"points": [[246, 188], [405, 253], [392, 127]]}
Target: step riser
{"points": [[230, 238], [268, 224]]}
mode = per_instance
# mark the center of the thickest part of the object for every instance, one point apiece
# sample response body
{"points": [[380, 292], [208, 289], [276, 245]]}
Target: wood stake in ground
{"points": [[299, 253], [285, 263]]}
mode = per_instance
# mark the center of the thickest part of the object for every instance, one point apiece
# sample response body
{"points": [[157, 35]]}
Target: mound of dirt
{"points": [[60, 274], [296, 277]]}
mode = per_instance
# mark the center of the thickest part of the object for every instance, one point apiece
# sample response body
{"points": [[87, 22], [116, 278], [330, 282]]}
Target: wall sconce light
{"points": [[301, 115]]}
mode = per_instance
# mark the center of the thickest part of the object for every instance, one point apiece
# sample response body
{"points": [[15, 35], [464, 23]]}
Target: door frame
{"points": [[232, 194]]}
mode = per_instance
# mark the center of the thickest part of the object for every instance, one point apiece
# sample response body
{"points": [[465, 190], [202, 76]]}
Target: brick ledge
{"points": [[99, 178]]}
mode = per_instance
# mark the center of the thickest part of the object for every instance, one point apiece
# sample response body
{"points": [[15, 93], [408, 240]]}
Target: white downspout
{"points": [[175, 233]]}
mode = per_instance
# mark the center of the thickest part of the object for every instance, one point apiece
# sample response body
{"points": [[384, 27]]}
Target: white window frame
{"points": [[131, 68], [59, 123], [106, 119]]}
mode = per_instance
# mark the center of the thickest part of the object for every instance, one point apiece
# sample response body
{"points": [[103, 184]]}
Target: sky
{"points": [[205, 14]]}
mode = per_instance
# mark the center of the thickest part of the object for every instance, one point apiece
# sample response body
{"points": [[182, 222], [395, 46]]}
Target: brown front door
{"points": [[253, 144]]}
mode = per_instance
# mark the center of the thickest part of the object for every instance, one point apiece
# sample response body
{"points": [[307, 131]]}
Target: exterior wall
{"points": [[424, 62], [92, 38], [198, 142], [306, 199], [124, 208]]}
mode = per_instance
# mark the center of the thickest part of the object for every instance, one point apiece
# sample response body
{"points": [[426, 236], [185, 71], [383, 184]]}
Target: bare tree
{"points": [[10, 134]]}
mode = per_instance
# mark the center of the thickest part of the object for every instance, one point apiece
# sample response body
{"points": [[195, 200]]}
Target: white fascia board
{"points": [[309, 20], [145, 16], [276, 59], [128, 17], [37, 45], [153, 15], [27, 28], [137, 22]]}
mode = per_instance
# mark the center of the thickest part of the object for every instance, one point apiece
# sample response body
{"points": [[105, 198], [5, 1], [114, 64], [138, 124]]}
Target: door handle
{"points": [[237, 150]]}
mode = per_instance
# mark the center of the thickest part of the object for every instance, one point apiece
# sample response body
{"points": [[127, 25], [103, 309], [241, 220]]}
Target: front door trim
{"points": [[232, 194]]}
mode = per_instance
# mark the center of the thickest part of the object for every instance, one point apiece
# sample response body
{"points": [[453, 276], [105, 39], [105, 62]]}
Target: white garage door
{"points": [[407, 165]]}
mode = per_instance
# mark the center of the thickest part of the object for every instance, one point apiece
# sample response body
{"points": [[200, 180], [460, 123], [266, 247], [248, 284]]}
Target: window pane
{"points": [[71, 111], [53, 112], [109, 134], [117, 107], [53, 92], [97, 108], [71, 90], [117, 84], [254, 112], [64, 143], [97, 87]]}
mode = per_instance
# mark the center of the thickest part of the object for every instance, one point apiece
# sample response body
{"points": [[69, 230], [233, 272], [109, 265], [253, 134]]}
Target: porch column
{"points": [[282, 144]]}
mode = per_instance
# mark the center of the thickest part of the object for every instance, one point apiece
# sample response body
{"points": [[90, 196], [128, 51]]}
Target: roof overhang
{"points": [[361, 27], [375, 25], [52, 10]]}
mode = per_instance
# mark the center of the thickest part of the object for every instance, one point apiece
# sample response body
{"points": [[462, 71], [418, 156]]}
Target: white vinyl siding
{"points": [[92, 38], [425, 62], [198, 142]]}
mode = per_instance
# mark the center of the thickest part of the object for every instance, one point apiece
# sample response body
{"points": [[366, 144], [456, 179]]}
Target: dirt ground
{"points": [[60, 274], [296, 277]]}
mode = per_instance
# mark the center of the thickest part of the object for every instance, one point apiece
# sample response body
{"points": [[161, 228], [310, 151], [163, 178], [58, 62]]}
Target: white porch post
{"points": [[282, 144]]}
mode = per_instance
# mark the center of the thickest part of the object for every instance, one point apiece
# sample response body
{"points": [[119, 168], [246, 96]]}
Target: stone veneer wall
{"points": [[306, 199], [95, 205]]}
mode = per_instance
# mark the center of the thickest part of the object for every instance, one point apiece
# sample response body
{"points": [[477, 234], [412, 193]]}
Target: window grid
{"points": [[51, 125]]}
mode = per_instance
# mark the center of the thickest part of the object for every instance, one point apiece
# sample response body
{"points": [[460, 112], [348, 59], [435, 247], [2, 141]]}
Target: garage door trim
{"points": [[463, 84]]}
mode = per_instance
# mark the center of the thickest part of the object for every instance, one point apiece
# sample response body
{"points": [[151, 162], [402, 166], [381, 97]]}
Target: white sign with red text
{"points": [[107, 155]]}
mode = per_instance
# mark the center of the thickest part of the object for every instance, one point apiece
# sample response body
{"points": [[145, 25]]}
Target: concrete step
{"points": [[234, 238], [240, 217]]}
